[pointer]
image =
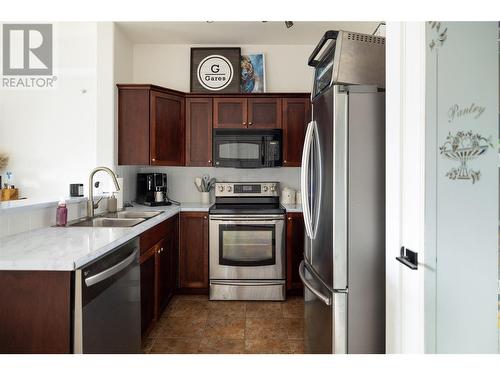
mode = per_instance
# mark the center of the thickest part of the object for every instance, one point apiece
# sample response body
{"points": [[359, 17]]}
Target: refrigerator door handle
{"points": [[306, 154], [326, 300]]}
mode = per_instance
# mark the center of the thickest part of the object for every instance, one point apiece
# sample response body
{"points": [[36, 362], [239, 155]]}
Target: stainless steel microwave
{"points": [[247, 148]]}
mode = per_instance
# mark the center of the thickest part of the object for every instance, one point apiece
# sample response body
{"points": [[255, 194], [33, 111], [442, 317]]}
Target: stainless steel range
{"points": [[247, 250]]}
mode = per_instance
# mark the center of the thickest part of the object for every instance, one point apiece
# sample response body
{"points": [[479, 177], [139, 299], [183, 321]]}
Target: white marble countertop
{"points": [[69, 248], [293, 207]]}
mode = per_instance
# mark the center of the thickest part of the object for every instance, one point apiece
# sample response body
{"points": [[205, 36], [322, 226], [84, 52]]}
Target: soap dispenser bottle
{"points": [[62, 214]]}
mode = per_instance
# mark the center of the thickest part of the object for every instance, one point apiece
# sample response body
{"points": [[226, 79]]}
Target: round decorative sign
{"points": [[215, 72]]}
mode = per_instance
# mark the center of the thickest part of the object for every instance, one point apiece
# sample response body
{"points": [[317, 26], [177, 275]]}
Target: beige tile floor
{"points": [[193, 324]]}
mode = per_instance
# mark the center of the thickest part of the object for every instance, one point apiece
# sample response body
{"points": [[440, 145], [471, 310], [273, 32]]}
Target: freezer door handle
{"points": [[326, 300]]}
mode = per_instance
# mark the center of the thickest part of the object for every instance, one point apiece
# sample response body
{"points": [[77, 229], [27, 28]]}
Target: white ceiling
{"points": [[235, 32]]}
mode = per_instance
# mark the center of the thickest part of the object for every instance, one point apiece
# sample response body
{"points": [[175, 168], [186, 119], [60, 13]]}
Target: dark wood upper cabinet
{"points": [[198, 132], [193, 252], [150, 125], [230, 113], [167, 129], [264, 113], [296, 116], [133, 126], [294, 250], [159, 126], [243, 112]]}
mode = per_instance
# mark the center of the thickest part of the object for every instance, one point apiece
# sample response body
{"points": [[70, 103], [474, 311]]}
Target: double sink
{"points": [[116, 219]]}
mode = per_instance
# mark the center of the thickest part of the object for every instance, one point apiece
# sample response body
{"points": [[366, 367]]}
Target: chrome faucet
{"points": [[91, 205]]}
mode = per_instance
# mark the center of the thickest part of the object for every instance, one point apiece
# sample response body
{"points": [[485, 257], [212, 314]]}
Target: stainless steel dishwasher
{"points": [[107, 312]]}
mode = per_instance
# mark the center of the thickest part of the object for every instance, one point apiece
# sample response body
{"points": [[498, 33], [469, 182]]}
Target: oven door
{"points": [[247, 248]]}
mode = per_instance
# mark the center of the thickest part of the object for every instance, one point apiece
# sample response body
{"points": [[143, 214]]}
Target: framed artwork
{"points": [[253, 73], [215, 70]]}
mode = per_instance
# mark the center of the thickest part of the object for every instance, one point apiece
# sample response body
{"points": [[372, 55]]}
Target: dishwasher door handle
{"points": [[106, 274], [326, 300]]}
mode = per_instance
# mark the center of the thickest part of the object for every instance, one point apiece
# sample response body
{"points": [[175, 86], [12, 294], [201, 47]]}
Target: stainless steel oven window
{"points": [[247, 245], [239, 150]]}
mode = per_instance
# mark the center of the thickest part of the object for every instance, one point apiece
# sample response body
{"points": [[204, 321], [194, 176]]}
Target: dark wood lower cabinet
{"points": [[158, 270], [148, 286], [193, 252], [35, 312], [166, 265], [294, 251]]}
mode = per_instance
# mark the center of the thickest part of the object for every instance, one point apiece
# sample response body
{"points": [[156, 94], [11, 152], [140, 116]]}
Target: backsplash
{"points": [[129, 174], [180, 180]]}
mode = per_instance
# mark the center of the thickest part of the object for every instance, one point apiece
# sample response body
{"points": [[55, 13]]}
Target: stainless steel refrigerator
{"points": [[343, 189]]}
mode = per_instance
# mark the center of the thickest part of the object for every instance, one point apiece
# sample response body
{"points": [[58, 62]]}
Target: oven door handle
{"points": [[247, 283], [247, 218], [249, 222]]}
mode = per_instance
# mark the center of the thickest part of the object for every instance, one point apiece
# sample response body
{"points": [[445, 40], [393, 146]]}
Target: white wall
{"points": [[50, 134], [123, 72], [168, 65], [55, 137]]}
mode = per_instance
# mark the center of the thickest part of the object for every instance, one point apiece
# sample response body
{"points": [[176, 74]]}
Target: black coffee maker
{"points": [[152, 189]]}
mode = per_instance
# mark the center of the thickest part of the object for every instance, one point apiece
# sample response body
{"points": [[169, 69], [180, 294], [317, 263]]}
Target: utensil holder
{"points": [[205, 197], [9, 194]]}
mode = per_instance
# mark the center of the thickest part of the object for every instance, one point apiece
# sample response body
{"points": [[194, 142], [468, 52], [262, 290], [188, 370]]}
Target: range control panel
{"points": [[247, 189]]}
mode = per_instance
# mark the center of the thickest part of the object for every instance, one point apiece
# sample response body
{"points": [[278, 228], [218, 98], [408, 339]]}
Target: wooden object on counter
{"points": [[9, 194]]}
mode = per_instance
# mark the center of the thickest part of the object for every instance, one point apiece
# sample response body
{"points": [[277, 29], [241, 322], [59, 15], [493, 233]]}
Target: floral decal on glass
{"points": [[464, 147], [440, 36]]}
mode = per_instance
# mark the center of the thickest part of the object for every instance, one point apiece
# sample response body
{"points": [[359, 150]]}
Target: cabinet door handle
{"points": [[250, 123], [289, 218], [204, 217], [153, 159], [209, 161], [244, 123]]}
